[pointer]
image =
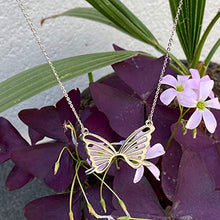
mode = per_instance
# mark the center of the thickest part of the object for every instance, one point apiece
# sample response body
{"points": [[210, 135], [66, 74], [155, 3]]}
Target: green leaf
{"points": [[203, 39], [189, 25], [121, 16], [35, 80], [110, 16], [209, 57], [87, 13]]}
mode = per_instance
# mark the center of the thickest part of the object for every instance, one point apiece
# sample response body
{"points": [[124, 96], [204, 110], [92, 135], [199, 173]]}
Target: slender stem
{"points": [[102, 182], [69, 151], [110, 189], [176, 126], [72, 188]]}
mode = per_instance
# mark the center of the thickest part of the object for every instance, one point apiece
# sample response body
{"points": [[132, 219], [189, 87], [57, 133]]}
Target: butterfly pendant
{"points": [[133, 150]]}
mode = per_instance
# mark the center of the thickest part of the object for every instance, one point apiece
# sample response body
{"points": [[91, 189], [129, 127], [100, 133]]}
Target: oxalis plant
{"points": [[181, 181]]}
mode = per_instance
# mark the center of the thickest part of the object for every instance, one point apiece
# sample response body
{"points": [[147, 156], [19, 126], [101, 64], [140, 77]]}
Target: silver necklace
{"points": [[137, 142]]}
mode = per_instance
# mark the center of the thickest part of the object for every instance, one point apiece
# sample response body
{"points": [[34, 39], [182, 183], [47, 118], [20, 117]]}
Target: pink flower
{"points": [[180, 88], [200, 102], [194, 83], [153, 152]]}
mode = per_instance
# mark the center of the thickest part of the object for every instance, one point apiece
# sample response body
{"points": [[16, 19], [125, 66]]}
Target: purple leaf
{"points": [[64, 176], [10, 140], [17, 178], [45, 121], [55, 207], [141, 73], [38, 160], [34, 136], [139, 198], [64, 109], [170, 167], [196, 197], [115, 82], [125, 113], [164, 117], [93, 195], [205, 146]]}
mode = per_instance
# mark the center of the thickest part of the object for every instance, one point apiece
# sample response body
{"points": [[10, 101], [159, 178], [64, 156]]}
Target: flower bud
{"points": [[102, 201], [71, 215], [123, 218], [56, 168]]}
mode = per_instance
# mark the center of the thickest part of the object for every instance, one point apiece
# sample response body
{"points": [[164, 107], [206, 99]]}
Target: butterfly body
{"points": [[133, 150]]}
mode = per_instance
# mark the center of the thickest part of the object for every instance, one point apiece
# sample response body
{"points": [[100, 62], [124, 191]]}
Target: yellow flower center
{"points": [[180, 88], [200, 105]]}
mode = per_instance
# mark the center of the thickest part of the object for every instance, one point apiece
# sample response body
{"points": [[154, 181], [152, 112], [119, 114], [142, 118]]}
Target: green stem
{"points": [[71, 191], [69, 151], [176, 126], [101, 187]]}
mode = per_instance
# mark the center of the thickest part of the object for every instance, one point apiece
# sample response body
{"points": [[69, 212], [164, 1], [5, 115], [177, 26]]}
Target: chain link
{"points": [[83, 129], [37, 37], [166, 59]]}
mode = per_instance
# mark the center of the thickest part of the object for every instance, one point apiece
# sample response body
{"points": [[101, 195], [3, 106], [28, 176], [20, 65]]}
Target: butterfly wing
{"points": [[135, 146], [100, 152]]}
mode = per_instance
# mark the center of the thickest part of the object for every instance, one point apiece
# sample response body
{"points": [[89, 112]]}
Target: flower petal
{"points": [[211, 95], [210, 121], [194, 120], [187, 98], [155, 151], [169, 80], [138, 174], [182, 79], [195, 74], [167, 96], [205, 89], [154, 170], [213, 103]]}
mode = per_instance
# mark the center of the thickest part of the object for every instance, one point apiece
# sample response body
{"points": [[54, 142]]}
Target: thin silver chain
{"points": [[37, 37], [170, 42], [83, 129]]}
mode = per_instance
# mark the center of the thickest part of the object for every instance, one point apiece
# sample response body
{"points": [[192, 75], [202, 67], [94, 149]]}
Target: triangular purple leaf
{"points": [[170, 167], [139, 198], [125, 113], [39, 159], [93, 194], [34, 136], [45, 121], [141, 73], [55, 207], [196, 197], [17, 178], [10, 140], [164, 117], [205, 146], [64, 176], [65, 112]]}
